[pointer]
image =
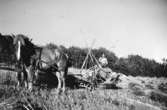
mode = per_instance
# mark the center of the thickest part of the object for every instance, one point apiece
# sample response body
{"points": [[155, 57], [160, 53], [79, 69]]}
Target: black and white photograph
{"points": [[83, 54]]}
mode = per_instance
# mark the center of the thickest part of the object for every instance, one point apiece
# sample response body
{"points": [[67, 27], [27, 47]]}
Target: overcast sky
{"points": [[123, 26]]}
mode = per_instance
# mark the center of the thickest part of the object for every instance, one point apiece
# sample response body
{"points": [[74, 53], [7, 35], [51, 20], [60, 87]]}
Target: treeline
{"points": [[6, 49]]}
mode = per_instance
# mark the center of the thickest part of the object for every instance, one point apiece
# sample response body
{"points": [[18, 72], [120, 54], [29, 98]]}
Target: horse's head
{"points": [[19, 41]]}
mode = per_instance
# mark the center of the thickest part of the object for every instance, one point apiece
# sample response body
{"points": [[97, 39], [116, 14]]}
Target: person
{"points": [[103, 60]]}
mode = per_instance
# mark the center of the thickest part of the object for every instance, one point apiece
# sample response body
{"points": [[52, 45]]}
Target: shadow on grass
{"points": [[50, 81]]}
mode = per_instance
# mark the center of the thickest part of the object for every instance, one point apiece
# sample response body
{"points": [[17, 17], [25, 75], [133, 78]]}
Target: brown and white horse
{"points": [[24, 51], [44, 58]]}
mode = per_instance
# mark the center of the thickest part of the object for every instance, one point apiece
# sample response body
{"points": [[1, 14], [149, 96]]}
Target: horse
{"points": [[24, 51], [42, 58]]}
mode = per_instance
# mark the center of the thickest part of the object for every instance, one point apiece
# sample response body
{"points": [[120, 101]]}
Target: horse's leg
{"points": [[64, 73], [63, 81], [19, 74], [36, 76], [58, 74], [19, 78], [29, 78], [64, 85], [24, 77]]}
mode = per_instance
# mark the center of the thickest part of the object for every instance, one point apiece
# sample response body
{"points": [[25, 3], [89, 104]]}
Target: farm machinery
{"points": [[97, 75]]}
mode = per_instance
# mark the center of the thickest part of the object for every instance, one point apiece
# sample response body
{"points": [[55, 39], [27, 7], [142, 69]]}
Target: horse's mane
{"points": [[26, 38], [51, 46]]}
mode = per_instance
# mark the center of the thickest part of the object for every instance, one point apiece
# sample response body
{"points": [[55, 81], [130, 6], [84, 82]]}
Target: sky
{"points": [[122, 26]]}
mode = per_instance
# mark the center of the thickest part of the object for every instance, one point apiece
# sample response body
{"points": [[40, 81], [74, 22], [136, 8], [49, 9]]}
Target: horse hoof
{"points": [[18, 84], [63, 90], [59, 91], [30, 86]]}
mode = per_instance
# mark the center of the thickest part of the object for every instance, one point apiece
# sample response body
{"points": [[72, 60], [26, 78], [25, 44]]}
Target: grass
{"points": [[81, 99], [12, 98]]}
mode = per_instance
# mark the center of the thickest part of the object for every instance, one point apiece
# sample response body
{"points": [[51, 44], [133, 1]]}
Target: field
{"points": [[137, 93]]}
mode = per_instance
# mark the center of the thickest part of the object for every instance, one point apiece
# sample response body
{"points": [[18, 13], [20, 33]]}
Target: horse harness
{"points": [[37, 63]]}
